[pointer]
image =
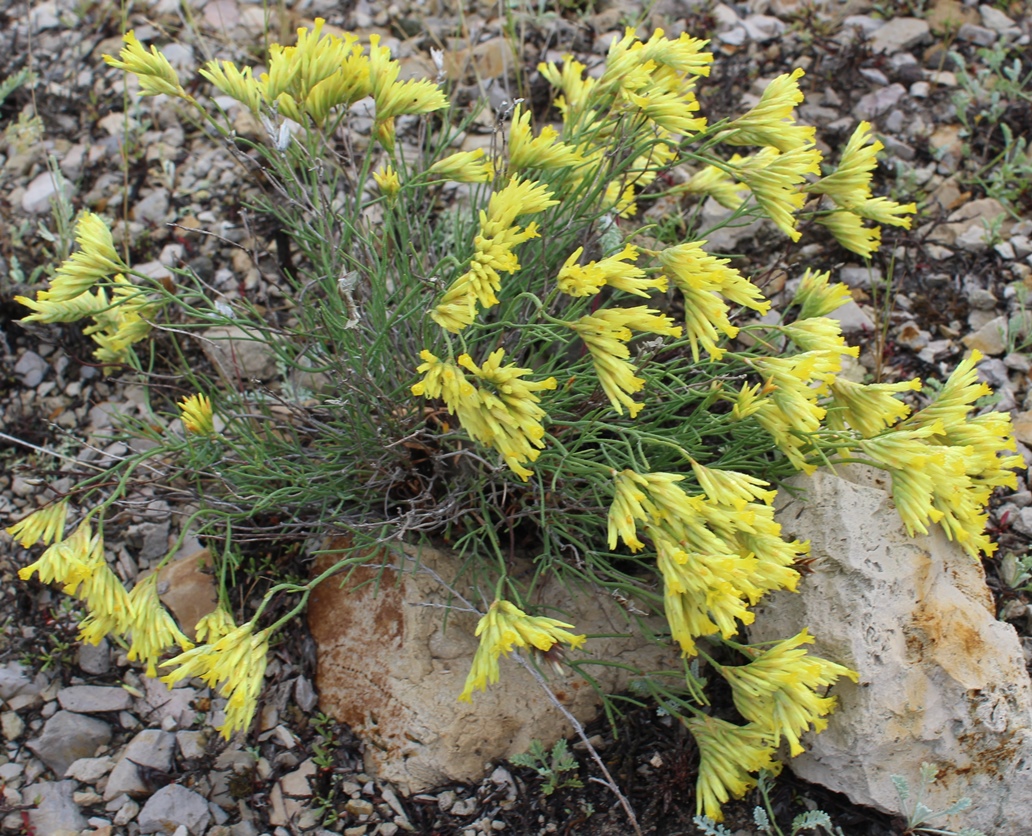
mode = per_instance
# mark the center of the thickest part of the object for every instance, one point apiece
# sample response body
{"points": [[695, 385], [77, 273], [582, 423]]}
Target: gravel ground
{"points": [[91, 745]]}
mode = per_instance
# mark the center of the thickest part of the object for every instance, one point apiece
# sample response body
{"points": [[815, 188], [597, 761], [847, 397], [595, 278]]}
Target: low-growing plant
{"points": [[552, 765], [495, 356], [920, 817]]}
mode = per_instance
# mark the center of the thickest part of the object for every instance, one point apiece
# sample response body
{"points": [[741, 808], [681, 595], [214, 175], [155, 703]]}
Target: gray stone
{"points": [[31, 369], [996, 20], [151, 748], [1022, 521], [95, 659], [238, 354], [763, 28], [192, 744], [93, 699], [40, 192], [876, 103], [55, 812], [900, 34], [852, 320], [12, 725], [90, 770], [941, 680], [14, 680], [172, 806], [978, 35], [67, 737], [153, 209]]}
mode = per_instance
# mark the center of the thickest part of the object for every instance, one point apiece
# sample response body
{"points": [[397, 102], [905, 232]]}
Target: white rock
{"points": [[941, 680], [978, 35], [31, 368], [66, 737], [900, 34]]}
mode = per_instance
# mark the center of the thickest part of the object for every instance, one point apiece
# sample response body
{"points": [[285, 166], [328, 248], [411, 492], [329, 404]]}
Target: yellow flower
{"points": [[505, 414], [849, 230], [43, 526], [464, 167], [545, 151], [716, 183], [442, 379], [79, 307], [519, 197], [816, 297], [957, 396], [682, 56], [387, 179], [234, 664], [122, 324], [156, 75], [770, 122], [703, 593], [773, 178], [850, 183], [777, 690], [819, 333], [627, 507], [152, 627], [504, 627], [107, 603], [576, 87], [885, 211], [669, 109], [587, 279], [729, 754], [96, 259], [700, 276], [216, 624], [197, 415], [606, 333], [63, 559], [239, 84], [728, 487], [868, 408]]}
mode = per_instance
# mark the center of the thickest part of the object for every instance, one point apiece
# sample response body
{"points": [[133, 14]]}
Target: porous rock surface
{"points": [[391, 666], [941, 680]]}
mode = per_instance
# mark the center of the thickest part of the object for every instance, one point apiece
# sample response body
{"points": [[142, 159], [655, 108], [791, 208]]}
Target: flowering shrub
{"points": [[520, 362]]}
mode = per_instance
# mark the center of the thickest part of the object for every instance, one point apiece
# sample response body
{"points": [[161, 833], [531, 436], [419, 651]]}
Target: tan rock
{"points": [[391, 665], [188, 590]]}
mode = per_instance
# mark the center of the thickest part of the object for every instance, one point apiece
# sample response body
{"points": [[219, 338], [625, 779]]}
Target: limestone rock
{"points": [[941, 680], [388, 668], [238, 354], [899, 34]]}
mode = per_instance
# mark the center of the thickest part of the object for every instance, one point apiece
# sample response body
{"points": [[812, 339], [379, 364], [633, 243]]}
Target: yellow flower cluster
{"points": [[606, 334], [324, 73], [700, 277], [197, 415], [777, 692], [155, 73], [73, 294], [233, 663], [945, 463], [849, 186], [501, 412], [505, 627], [78, 564], [718, 551], [493, 253]]}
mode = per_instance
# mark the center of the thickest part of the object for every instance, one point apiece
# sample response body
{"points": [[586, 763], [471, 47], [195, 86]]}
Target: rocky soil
{"points": [[91, 745]]}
